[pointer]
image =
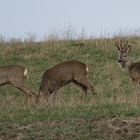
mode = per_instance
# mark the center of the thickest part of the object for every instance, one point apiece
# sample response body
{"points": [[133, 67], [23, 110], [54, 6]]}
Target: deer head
{"points": [[123, 49]]}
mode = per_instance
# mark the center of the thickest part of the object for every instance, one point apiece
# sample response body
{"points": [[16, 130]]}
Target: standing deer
{"points": [[59, 75], [133, 67], [15, 76]]}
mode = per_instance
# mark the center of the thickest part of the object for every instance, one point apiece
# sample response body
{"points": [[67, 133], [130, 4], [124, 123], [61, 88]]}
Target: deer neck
{"points": [[128, 64]]}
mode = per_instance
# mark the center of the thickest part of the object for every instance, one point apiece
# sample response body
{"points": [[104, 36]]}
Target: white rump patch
{"points": [[25, 72], [87, 69]]}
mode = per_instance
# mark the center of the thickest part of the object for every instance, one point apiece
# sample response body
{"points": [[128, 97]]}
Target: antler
{"points": [[126, 44], [122, 45], [119, 44]]}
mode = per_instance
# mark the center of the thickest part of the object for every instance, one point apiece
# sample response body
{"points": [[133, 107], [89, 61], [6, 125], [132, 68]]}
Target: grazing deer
{"points": [[15, 76], [133, 67], [59, 75]]}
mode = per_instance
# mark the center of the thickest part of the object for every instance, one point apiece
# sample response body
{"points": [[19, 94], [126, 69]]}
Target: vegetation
{"points": [[70, 117]]}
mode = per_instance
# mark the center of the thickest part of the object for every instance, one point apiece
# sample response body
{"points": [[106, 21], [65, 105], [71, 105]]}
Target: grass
{"points": [[69, 117], [81, 122], [25, 115]]}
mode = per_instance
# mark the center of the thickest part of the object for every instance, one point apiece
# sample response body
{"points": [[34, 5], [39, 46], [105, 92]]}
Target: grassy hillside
{"points": [[69, 117]]}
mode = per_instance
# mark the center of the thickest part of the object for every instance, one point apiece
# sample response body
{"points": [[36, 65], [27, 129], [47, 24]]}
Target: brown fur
{"points": [[15, 76], [62, 74], [133, 67]]}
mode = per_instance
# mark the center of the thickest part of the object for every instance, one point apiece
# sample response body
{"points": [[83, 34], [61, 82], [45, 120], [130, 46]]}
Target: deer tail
{"points": [[87, 69], [25, 72]]}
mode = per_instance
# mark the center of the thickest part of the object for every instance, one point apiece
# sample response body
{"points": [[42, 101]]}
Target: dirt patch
{"points": [[73, 129]]}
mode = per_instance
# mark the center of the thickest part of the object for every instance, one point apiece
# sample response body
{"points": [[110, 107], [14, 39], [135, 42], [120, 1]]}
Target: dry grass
{"points": [[117, 95], [111, 83]]}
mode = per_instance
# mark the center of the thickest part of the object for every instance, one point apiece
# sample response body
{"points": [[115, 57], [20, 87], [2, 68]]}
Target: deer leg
{"points": [[86, 85], [84, 88], [26, 91], [91, 89], [54, 93]]}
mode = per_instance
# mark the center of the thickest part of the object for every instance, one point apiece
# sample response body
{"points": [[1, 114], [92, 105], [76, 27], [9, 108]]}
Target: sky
{"points": [[19, 18]]}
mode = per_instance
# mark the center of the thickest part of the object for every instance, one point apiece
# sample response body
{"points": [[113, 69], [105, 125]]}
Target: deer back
{"points": [[62, 74], [12, 73]]}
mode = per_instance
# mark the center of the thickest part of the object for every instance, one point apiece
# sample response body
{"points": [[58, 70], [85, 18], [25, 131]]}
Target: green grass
{"points": [[81, 122], [69, 117], [22, 116]]}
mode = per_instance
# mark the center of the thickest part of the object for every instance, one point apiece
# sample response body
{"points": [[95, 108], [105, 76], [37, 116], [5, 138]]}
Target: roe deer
{"points": [[59, 75], [15, 76], [133, 67]]}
